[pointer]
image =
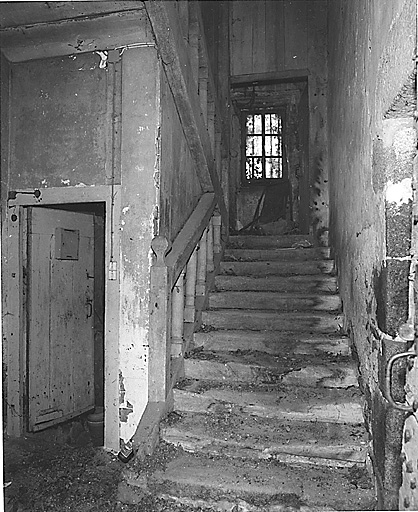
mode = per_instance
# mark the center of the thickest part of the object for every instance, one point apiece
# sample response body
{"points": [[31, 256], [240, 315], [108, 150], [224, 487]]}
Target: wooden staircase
{"points": [[269, 415]]}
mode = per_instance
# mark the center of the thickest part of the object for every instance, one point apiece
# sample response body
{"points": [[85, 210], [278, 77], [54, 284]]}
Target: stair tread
{"points": [[240, 435], [309, 283], [254, 367], [273, 401], [261, 483], [274, 342], [292, 301], [273, 267], [306, 321], [250, 241], [277, 253]]}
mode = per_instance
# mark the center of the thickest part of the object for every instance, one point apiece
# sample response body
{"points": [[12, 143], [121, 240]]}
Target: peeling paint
{"points": [[65, 182], [399, 193], [125, 210]]}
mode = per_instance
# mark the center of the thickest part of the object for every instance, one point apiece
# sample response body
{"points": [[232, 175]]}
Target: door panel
{"points": [[60, 319]]}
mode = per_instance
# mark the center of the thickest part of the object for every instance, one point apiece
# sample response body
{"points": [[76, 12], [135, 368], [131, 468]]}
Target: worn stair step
{"points": [[319, 322], [286, 344], [284, 268], [243, 436], [262, 368], [278, 253], [259, 485], [299, 284], [269, 241], [277, 401], [274, 300]]}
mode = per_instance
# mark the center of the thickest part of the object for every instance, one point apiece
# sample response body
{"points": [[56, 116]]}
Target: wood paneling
{"points": [[270, 35]]}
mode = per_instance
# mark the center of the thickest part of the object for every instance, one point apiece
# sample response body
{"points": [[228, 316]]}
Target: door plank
{"points": [[39, 357]]}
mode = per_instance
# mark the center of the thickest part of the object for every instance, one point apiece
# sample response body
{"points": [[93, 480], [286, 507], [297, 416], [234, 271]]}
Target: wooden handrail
{"points": [[189, 236]]}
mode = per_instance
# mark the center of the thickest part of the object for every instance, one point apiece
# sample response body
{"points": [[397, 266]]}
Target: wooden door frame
{"points": [[14, 258]]}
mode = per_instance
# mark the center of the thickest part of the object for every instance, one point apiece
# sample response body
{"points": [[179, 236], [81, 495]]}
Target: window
{"points": [[263, 146]]}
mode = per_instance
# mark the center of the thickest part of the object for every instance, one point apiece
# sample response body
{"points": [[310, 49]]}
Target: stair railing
{"points": [[181, 276]]}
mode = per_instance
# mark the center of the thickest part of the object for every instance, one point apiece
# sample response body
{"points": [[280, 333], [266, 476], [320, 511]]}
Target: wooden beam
{"points": [[69, 37], [292, 75], [179, 72]]}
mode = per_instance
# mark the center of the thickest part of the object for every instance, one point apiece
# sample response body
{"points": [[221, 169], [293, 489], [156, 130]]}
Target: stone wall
{"points": [[372, 146]]}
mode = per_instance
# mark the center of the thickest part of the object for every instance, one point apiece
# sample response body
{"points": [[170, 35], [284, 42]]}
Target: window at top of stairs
{"points": [[263, 146]]}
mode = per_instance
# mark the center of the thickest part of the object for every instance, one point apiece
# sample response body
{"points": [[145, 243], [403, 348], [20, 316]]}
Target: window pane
{"points": [[250, 124], [254, 146], [267, 123], [274, 123], [258, 124], [258, 168], [249, 168], [273, 168], [271, 146]]}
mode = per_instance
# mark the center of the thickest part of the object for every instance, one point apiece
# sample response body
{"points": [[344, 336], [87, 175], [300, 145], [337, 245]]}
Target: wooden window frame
{"points": [[264, 180]]}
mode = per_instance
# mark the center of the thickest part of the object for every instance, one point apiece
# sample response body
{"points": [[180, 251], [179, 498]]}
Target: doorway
{"points": [[65, 310], [274, 184]]}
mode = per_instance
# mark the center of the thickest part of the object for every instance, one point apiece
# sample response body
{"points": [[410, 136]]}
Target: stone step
{"points": [[274, 300], [269, 241], [254, 320], [280, 253], [298, 284], [243, 436], [277, 268], [275, 401], [285, 344], [225, 484], [261, 368]]}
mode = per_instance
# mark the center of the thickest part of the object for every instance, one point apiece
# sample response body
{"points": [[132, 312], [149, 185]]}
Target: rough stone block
{"points": [[398, 230], [396, 288]]}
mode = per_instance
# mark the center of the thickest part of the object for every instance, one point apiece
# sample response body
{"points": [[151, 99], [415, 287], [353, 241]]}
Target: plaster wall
{"points": [[64, 137], [141, 118], [179, 184], [59, 119], [372, 46]]}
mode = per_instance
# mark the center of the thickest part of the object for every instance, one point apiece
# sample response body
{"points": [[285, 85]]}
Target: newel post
{"points": [[177, 317], [189, 308], [159, 328]]}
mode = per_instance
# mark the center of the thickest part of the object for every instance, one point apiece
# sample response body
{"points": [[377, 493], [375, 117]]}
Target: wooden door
{"points": [[60, 315]]}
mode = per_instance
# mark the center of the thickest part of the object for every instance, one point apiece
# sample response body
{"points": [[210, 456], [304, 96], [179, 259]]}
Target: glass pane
{"points": [[258, 168], [271, 146], [267, 123], [249, 149], [250, 124], [249, 168], [273, 168], [274, 123], [258, 124], [254, 146]]}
